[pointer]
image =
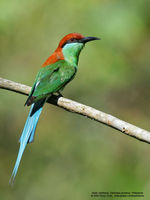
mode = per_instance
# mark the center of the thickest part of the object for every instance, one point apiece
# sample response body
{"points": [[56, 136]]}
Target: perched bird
{"points": [[58, 70]]}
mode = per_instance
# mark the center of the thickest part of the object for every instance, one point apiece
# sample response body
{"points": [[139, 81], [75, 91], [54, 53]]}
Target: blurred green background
{"points": [[73, 156]]}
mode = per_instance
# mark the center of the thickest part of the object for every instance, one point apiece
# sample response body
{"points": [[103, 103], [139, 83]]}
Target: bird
{"points": [[56, 72]]}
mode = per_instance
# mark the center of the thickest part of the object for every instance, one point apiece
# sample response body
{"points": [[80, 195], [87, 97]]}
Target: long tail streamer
{"points": [[28, 133]]}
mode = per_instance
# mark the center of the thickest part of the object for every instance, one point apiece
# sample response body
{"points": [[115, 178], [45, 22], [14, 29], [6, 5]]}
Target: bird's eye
{"points": [[73, 40], [70, 41]]}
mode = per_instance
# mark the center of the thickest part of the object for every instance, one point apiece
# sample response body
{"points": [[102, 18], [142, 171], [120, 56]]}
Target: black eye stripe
{"points": [[72, 40]]}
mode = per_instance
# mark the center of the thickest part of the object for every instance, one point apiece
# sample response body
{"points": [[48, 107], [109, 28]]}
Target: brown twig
{"points": [[84, 110]]}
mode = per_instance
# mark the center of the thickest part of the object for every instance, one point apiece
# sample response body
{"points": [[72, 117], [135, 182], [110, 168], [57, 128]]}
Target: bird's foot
{"points": [[59, 94]]}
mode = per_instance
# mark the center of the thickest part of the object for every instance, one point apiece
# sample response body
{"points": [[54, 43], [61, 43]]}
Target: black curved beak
{"points": [[88, 39]]}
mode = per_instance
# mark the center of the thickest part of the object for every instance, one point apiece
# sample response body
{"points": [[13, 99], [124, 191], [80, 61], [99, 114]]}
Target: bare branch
{"points": [[81, 109]]}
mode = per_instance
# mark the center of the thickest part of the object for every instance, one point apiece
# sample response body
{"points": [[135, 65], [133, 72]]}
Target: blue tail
{"points": [[27, 135]]}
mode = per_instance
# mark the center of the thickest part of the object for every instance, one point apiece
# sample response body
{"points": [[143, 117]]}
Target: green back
{"points": [[52, 78]]}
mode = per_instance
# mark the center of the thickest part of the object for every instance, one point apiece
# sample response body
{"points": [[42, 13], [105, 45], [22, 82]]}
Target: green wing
{"points": [[51, 79]]}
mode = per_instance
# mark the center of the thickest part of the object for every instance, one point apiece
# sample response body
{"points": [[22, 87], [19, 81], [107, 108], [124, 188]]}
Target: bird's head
{"points": [[74, 38], [69, 49], [71, 46]]}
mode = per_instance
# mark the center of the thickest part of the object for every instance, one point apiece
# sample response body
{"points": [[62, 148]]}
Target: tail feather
{"points": [[35, 121], [27, 135]]}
